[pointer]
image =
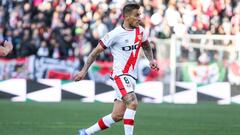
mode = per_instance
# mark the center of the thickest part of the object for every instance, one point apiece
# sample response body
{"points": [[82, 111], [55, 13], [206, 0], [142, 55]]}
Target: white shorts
{"points": [[122, 85]]}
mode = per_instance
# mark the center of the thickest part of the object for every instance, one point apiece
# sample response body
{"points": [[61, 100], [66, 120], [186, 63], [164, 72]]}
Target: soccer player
{"points": [[124, 42], [5, 48]]}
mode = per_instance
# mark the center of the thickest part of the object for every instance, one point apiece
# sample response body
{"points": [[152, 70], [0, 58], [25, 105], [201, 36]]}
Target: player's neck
{"points": [[126, 26]]}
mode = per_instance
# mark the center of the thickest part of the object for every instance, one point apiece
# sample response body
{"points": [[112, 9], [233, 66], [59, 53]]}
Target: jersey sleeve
{"points": [[107, 40], [145, 36]]}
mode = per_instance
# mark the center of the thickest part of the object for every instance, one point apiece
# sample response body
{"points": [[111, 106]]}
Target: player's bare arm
{"points": [[91, 58], [5, 48], [149, 54]]}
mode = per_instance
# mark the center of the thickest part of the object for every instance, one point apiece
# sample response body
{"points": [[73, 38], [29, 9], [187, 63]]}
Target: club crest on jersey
{"points": [[139, 37]]}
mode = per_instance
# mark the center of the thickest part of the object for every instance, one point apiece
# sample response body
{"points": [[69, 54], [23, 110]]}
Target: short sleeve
{"points": [[107, 40], [145, 36]]}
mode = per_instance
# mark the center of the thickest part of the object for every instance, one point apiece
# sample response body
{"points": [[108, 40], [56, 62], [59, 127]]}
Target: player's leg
{"points": [[125, 91], [106, 122], [131, 102], [118, 110]]}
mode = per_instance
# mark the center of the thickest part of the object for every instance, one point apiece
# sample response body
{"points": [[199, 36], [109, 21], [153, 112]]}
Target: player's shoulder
{"points": [[116, 30], [113, 33]]}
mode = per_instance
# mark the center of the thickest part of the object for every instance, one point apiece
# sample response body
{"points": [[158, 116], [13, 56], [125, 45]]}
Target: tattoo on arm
{"points": [[148, 52], [91, 58]]}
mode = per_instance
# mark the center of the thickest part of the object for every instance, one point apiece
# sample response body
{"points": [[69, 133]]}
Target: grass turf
{"points": [[66, 117]]}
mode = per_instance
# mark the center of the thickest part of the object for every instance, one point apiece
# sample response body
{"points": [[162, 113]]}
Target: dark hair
{"points": [[130, 7]]}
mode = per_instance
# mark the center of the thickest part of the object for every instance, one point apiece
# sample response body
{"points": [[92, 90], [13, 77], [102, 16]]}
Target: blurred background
{"points": [[196, 43]]}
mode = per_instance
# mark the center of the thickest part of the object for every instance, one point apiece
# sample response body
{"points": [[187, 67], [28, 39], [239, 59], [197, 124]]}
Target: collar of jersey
{"points": [[126, 29]]}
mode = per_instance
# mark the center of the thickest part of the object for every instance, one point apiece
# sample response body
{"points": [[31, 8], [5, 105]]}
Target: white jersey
{"points": [[125, 46]]}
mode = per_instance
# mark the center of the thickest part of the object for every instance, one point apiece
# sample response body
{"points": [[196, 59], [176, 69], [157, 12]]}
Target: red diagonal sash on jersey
{"points": [[133, 58]]}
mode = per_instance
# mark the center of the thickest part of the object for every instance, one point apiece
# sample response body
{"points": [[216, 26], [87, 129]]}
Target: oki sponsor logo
{"points": [[129, 48]]}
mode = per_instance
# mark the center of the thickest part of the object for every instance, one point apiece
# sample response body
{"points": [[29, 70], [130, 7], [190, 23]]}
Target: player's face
{"points": [[134, 18]]}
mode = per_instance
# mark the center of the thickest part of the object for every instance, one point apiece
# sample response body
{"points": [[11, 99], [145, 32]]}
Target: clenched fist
{"points": [[154, 65]]}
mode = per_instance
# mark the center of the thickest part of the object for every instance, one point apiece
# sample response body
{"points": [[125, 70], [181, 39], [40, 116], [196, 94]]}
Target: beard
{"points": [[134, 25]]}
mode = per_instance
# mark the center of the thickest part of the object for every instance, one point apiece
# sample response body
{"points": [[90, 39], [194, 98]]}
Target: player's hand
{"points": [[80, 75], [154, 65]]}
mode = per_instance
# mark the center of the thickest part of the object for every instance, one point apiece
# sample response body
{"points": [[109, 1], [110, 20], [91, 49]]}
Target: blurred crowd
{"points": [[69, 28]]}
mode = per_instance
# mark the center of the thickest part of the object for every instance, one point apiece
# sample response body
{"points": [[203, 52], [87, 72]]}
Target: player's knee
{"points": [[133, 105], [131, 101], [117, 117]]}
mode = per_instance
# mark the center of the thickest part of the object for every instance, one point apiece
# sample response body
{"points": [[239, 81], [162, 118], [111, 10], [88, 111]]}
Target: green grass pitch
{"points": [[64, 118]]}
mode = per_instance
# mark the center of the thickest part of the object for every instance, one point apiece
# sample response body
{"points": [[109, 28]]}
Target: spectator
{"points": [[57, 20], [43, 50]]}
